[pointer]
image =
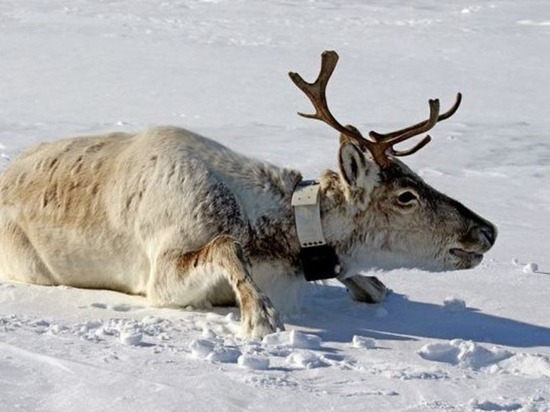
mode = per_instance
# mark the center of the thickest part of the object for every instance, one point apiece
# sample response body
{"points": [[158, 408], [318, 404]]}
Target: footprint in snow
{"points": [[122, 307], [493, 406]]}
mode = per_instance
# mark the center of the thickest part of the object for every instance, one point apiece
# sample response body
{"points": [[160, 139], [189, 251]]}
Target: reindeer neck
{"points": [[336, 224]]}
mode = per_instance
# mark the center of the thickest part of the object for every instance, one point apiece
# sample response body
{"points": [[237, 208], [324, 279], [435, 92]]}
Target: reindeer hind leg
{"points": [[19, 260]]}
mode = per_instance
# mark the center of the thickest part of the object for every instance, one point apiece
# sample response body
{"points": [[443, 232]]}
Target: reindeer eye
{"points": [[406, 197]]}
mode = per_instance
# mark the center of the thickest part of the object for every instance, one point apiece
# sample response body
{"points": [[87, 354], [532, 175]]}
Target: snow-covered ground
{"points": [[472, 340]]}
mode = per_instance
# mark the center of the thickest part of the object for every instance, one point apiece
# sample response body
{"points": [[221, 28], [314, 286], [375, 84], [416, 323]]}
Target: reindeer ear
{"points": [[352, 162], [355, 167]]}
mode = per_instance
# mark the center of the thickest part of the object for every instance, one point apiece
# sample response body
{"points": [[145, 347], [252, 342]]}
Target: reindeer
{"points": [[185, 221]]}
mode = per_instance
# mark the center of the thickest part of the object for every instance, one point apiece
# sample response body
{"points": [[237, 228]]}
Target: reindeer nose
{"points": [[487, 232]]}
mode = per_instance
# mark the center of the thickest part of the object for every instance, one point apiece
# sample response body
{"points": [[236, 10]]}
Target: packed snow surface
{"points": [[476, 340]]}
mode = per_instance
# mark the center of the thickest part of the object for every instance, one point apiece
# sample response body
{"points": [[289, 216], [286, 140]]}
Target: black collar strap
{"points": [[319, 260]]}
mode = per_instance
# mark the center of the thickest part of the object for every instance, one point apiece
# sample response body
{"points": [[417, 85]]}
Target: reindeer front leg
{"points": [[190, 278], [367, 289]]}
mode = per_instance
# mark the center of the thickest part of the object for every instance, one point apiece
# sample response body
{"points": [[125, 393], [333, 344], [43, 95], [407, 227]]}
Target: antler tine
{"points": [[426, 140], [413, 149], [452, 110], [386, 145], [421, 128], [443, 116], [316, 92]]}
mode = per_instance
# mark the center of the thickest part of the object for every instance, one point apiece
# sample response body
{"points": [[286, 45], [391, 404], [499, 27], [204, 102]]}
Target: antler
{"points": [[382, 144], [392, 138], [316, 92]]}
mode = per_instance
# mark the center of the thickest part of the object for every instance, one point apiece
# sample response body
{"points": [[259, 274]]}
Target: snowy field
{"points": [[476, 340]]}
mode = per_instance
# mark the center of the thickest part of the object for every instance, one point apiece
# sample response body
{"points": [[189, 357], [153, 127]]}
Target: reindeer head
{"points": [[379, 213]]}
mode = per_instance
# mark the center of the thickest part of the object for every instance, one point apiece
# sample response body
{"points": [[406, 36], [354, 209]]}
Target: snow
{"points": [[468, 354], [476, 340], [454, 304], [531, 268], [293, 339], [363, 343], [253, 362]]}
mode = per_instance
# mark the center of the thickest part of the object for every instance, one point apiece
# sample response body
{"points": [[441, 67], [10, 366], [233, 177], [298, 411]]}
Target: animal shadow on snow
{"points": [[338, 318]]}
